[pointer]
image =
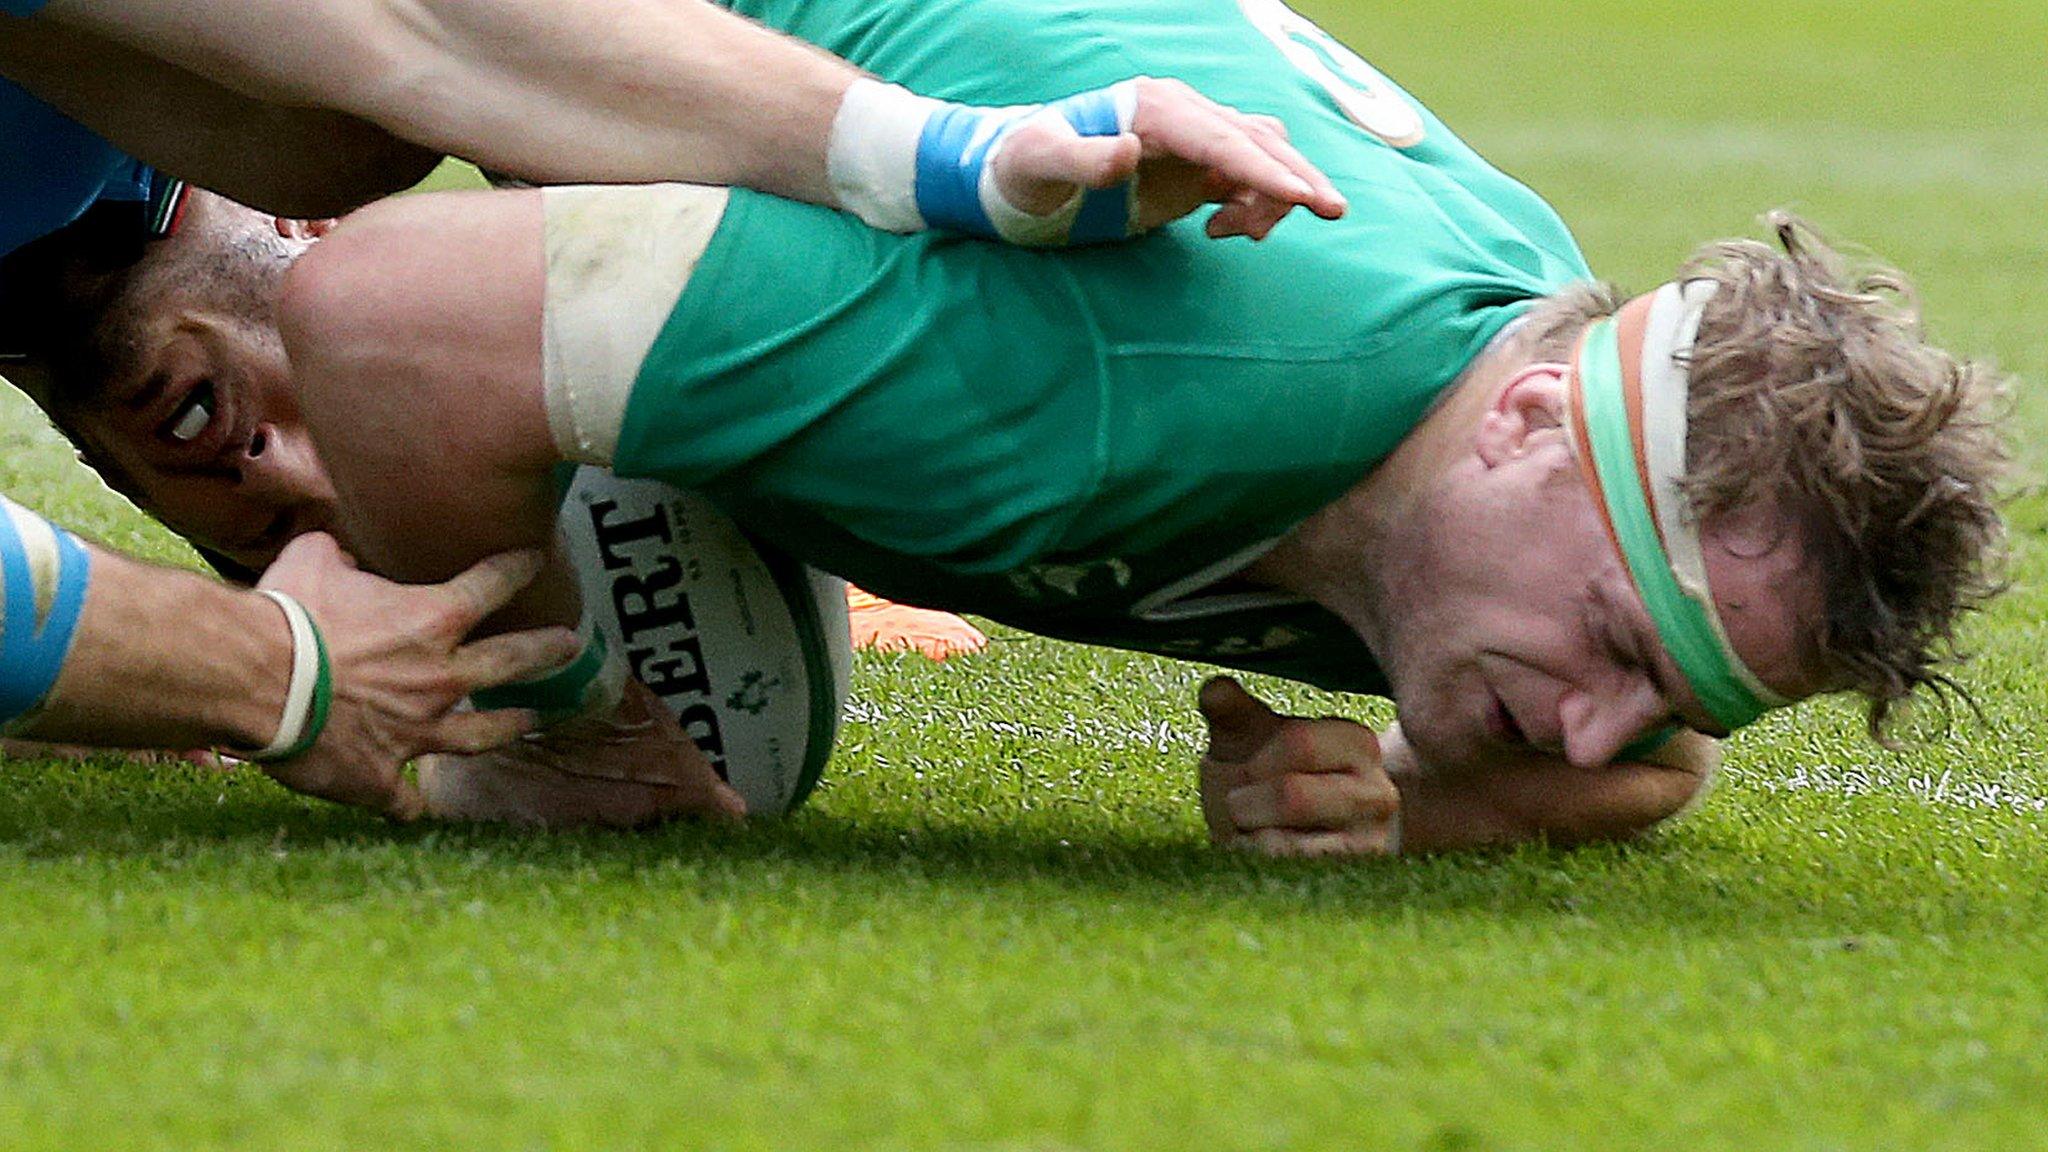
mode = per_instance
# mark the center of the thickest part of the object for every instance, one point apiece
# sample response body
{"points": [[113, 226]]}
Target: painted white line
{"points": [[1945, 790]]}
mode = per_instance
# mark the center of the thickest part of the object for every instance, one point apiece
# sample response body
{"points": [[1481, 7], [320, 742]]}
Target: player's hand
{"points": [[1184, 150], [1289, 786], [402, 666], [633, 767]]}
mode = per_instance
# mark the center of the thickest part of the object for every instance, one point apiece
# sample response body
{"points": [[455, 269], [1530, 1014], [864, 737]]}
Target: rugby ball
{"points": [[747, 647]]}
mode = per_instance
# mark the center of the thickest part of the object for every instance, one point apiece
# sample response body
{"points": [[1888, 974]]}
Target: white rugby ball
{"points": [[747, 647]]}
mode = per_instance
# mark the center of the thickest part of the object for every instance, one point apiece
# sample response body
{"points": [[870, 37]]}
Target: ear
{"points": [[295, 229], [1527, 412]]}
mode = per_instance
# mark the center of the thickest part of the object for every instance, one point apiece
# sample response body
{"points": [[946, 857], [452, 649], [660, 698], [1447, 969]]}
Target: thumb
{"points": [[1239, 723], [1040, 162], [1104, 161], [309, 551]]}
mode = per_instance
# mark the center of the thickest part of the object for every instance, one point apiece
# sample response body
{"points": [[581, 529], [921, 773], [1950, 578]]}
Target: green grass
{"points": [[996, 925]]}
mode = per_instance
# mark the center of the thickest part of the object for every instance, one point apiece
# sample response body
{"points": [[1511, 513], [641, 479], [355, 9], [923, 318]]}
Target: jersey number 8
{"points": [[1364, 95]]}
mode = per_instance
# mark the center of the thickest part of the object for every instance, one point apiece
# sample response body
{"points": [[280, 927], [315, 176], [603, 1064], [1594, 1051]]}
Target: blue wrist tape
{"points": [[954, 149], [43, 580], [950, 156], [1105, 212]]}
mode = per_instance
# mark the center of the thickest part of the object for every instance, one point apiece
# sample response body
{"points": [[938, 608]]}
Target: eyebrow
{"points": [[153, 387]]}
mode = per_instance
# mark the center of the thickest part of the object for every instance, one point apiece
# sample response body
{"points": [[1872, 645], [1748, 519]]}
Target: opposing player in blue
{"points": [[316, 109], [1417, 452]]}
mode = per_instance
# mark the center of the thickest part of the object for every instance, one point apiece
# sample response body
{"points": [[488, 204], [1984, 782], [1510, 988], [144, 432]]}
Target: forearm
{"points": [[600, 90], [1523, 798], [294, 161], [168, 659]]}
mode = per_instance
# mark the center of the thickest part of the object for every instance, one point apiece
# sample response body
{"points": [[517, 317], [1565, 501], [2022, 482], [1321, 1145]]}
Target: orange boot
{"points": [[887, 626]]}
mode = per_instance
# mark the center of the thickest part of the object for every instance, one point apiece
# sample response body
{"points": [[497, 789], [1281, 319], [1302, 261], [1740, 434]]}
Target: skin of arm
{"points": [[1293, 786], [311, 163], [400, 656], [131, 682], [599, 90], [1524, 797]]}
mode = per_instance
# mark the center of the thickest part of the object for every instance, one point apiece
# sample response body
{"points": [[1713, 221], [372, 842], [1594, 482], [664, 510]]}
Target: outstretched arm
{"points": [[162, 658], [296, 161], [1290, 786], [595, 91]]}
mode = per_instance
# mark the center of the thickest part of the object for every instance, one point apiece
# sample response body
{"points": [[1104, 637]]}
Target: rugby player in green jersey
{"points": [[1414, 452]]}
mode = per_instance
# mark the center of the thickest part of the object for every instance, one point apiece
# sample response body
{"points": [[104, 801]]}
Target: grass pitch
{"points": [[996, 925]]}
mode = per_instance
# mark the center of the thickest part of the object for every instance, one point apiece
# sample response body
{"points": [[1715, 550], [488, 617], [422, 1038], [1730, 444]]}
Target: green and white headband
{"points": [[1629, 384]]}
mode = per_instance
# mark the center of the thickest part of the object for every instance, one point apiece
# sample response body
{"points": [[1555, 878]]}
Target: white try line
{"points": [[1098, 734]]}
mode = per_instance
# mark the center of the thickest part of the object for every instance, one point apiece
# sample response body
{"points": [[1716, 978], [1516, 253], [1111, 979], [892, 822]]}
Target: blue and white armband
{"points": [[44, 572], [904, 163]]}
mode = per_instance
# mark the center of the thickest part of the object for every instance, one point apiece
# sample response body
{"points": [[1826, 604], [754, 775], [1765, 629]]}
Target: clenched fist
{"points": [[1289, 786]]}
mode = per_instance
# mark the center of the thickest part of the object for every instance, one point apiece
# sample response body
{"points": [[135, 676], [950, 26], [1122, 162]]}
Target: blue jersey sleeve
{"points": [[55, 167], [44, 572], [22, 7]]}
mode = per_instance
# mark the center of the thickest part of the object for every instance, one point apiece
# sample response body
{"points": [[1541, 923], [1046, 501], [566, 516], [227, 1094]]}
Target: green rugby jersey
{"points": [[1078, 443]]}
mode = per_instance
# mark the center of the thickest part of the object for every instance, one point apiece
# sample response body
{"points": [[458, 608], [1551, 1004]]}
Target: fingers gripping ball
{"points": [[903, 162], [749, 649]]}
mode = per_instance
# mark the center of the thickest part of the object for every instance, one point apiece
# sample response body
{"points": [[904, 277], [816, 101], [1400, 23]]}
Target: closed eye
{"points": [[1640, 654], [1626, 647]]}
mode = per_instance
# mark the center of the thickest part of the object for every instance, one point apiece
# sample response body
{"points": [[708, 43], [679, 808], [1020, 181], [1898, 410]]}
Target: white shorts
{"points": [[618, 257]]}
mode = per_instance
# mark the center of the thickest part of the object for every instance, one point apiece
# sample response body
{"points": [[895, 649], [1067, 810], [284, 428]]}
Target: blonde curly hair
{"points": [[1814, 390]]}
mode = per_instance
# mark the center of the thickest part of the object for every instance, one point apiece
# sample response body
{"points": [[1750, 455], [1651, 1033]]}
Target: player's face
{"points": [[1521, 632], [209, 441], [200, 425]]}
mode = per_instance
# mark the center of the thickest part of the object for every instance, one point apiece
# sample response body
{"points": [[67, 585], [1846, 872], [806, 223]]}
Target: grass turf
{"points": [[996, 925]]}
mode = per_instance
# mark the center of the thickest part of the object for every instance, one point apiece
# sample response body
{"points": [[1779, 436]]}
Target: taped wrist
{"points": [[903, 162], [311, 691], [591, 684], [44, 573]]}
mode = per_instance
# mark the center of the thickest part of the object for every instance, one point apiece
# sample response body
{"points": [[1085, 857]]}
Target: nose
{"points": [[1598, 725], [281, 467]]}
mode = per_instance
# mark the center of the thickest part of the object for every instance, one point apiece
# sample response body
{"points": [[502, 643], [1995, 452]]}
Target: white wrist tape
{"points": [[307, 697], [903, 162], [871, 159]]}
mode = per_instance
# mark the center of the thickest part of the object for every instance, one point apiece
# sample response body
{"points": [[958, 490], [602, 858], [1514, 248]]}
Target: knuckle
{"points": [[1271, 841], [1383, 803], [442, 690], [465, 741], [451, 615], [1366, 842], [1297, 744], [1294, 798], [1370, 801]]}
